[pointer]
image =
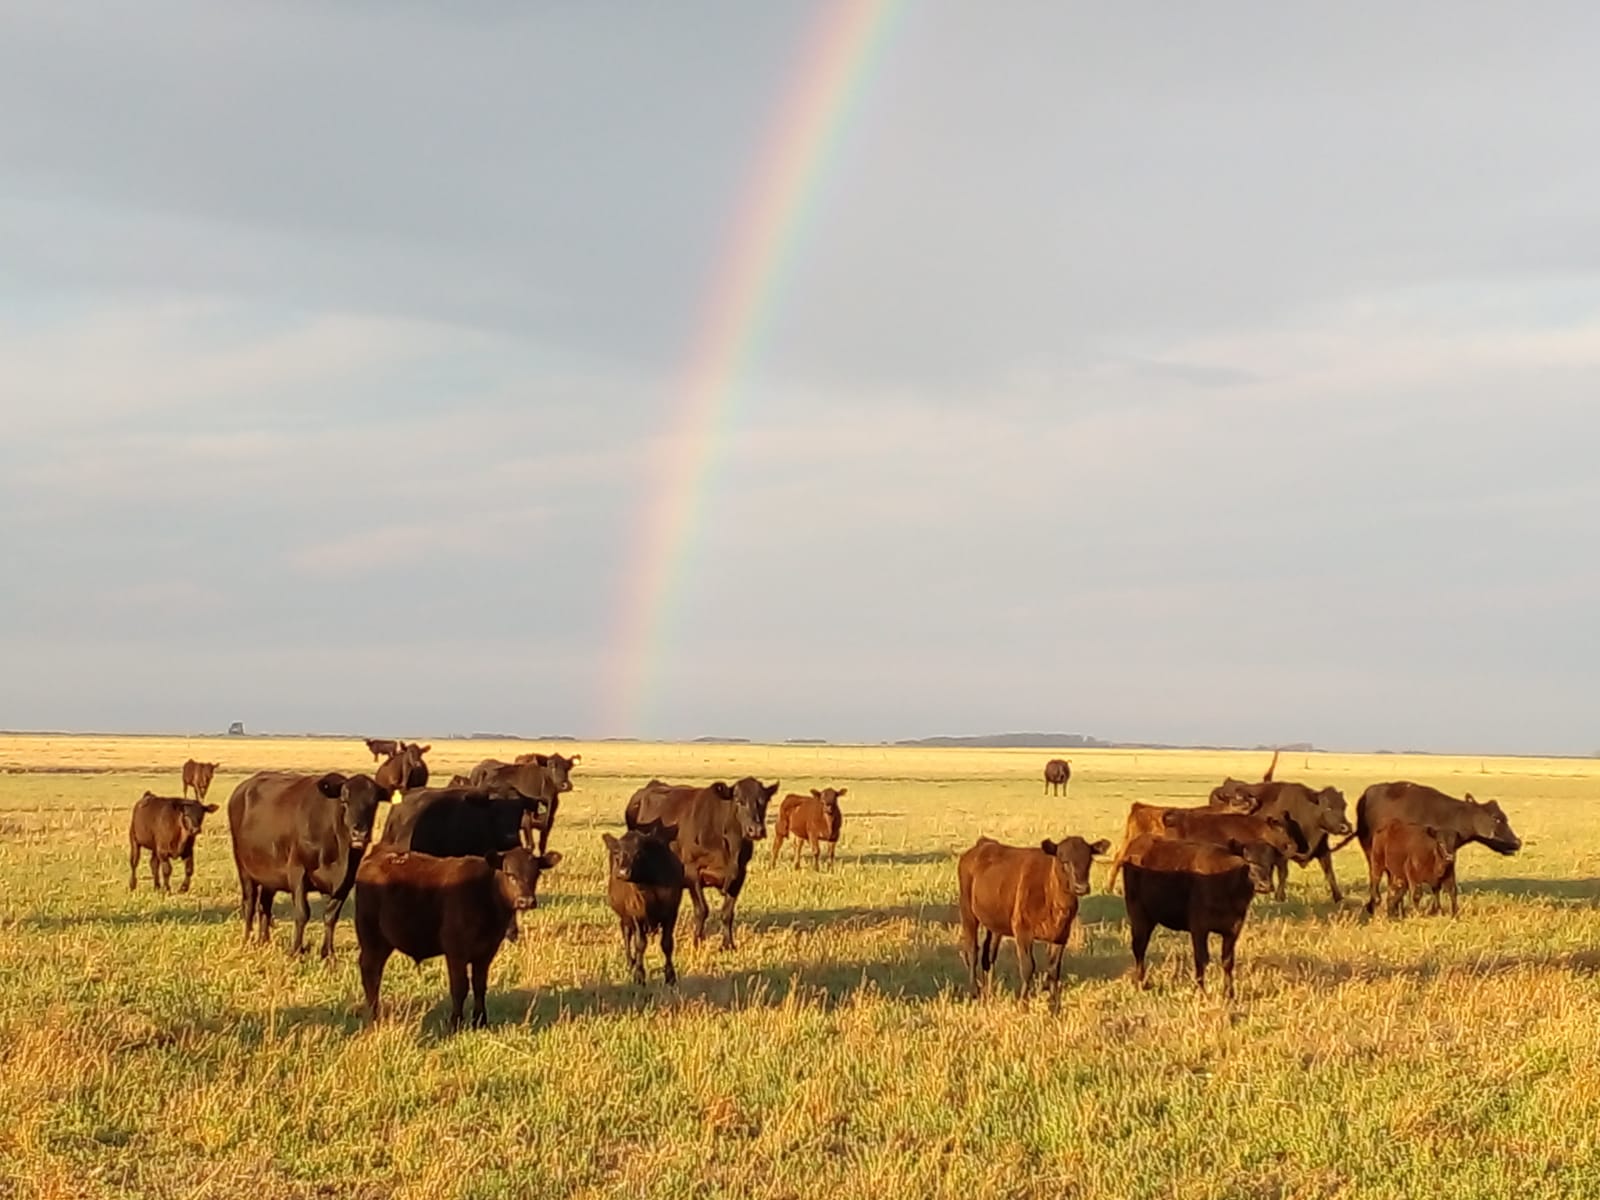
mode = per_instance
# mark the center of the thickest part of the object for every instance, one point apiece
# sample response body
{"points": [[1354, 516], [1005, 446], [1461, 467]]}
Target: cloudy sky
{"points": [[1217, 373]]}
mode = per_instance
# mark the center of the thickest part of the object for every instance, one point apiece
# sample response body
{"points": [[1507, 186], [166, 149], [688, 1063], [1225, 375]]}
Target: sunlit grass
{"points": [[145, 1051]]}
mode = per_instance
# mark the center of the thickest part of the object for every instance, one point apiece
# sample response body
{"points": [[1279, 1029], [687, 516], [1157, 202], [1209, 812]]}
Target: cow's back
{"points": [[1185, 884], [447, 822], [663, 803], [1404, 801], [425, 905], [1411, 852], [993, 877], [271, 815]]}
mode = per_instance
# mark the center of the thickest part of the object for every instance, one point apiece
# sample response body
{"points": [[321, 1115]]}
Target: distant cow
{"points": [[454, 822], [197, 776], [1057, 773], [300, 834], [1465, 821], [1194, 888], [1414, 857], [1029, 893], [382, 748], [644, 884], [404, 769], [1216, 826], [813, 820], [425, 907], [714, 831], [544, 776], [166, 826]]}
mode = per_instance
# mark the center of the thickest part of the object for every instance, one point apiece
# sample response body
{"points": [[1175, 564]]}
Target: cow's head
{"points": [[559, 769], [1072, 858], [752, 796], [829, 798], [1235, 795], [192, 814], [1330, 806], [624, 853], [517, 872], [358, 797], [1263, 860], [1489, 825]]}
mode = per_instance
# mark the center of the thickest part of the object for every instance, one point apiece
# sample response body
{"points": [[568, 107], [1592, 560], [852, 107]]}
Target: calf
{"points": [[197, 776], [166, 826], [1193, 887], [1414, 857], [644, 884], [424, 907], [382, 748], [404, 769], [1214, 825], [1021, 892], [814, 819]]}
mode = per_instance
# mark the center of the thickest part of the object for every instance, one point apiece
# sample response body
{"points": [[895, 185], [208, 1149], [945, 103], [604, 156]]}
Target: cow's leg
{"points": [[1141, 930], [1398, 886], [1326, 859], [777, 844], [669, 935], [816, 852], [1450, 882], [457, 970], [264, 899], [638, 941], [1374, 877], [729, 899], [702, 910], [1283, 882], [247, 905], [480, 992], [1229, 941], [799, 845], [330, 917], [833, 847], [1202, 955], [373, 959], [970, 954], [155, 868], [1057, 950], [300, 894], [188, 870], [133, 864], [1024, 962]]}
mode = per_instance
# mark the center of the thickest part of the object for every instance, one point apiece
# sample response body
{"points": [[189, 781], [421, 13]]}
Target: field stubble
{"points": [[145, 1051]]}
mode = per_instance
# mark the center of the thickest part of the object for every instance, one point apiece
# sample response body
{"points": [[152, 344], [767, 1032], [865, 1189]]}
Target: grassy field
{"points": [[145, 1052]]}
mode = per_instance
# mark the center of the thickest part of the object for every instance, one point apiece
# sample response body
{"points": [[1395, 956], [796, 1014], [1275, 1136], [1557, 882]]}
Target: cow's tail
{"points": [[1337, 846], [1271, 767]]}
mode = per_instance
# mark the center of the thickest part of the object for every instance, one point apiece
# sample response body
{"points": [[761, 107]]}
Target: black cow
{"points": [[458, 822]]}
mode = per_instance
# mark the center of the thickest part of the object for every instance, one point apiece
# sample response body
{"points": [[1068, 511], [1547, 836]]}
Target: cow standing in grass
{"points": [[167, 827], [197, 778], [1057, 773], [813, 820], [644, 886]]}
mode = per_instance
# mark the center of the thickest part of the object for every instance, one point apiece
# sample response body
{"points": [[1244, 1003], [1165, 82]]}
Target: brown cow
{"points": [[714, 832], [404, 769], [1468, 820], [1414, 857], [1029, 893], [166, 826], [644, 884], [1314, 816], [424, 906], [542, 777], [1195, 888], [1057, 773], [197, 775], [812, 819], [383, 747], [1217, 826]]}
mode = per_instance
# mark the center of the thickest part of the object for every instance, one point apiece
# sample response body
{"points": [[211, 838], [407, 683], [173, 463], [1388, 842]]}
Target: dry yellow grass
{"points": [[144, 1051]]}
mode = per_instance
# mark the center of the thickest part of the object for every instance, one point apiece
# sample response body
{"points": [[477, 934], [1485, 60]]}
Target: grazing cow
{"points": [[404, 769], [425, 907], [197, 776], [1465, 821], [543, 775], [1315, 816], [714, 832], [1029, 893], [383, 748], [166, 826], [644, 883], [1414, 857], [300, 834], [1195, 888], [456, 822], [1057, 773], [1217, 826], [813, 819]]}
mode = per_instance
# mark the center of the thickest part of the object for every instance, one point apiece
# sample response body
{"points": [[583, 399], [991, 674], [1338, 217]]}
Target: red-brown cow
{"points": [[197, 778], [1413, 857], [166, 826], [813, 820]]}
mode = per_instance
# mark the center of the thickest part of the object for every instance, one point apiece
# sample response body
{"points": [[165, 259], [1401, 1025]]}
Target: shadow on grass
{"points": [[856, 917], [1297, 968], [902, 857], [179, 913], [1578, 890]]}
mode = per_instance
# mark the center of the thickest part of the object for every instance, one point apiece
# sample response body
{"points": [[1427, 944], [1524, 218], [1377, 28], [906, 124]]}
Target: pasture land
{"points": [[145, 1052]]}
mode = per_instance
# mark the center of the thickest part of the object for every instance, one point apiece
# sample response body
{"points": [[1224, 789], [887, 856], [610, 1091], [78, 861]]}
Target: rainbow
{"points": [[829, 78]]}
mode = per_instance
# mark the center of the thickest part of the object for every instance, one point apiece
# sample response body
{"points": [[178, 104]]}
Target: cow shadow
{"points": [[1301, 968], [854, 917], [902, 857], [207, 914], [1578, 891]]}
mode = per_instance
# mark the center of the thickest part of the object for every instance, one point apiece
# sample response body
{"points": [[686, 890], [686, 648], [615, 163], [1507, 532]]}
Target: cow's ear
{"points": [[331, 784], [840, 792], [423, 749], [1100, 847], [1048, 847], [1235, 847], [575, 759], [770, 790], [1468, 798], [611, 842], [722, 790], [547, 861], [816, 794], [495, 859], [210, 807]]}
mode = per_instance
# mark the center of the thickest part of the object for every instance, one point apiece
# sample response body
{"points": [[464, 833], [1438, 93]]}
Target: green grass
{"points": [[144, 1051]]}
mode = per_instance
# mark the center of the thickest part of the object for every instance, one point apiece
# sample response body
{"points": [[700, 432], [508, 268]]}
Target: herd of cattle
{"points": [[454, 865]]}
